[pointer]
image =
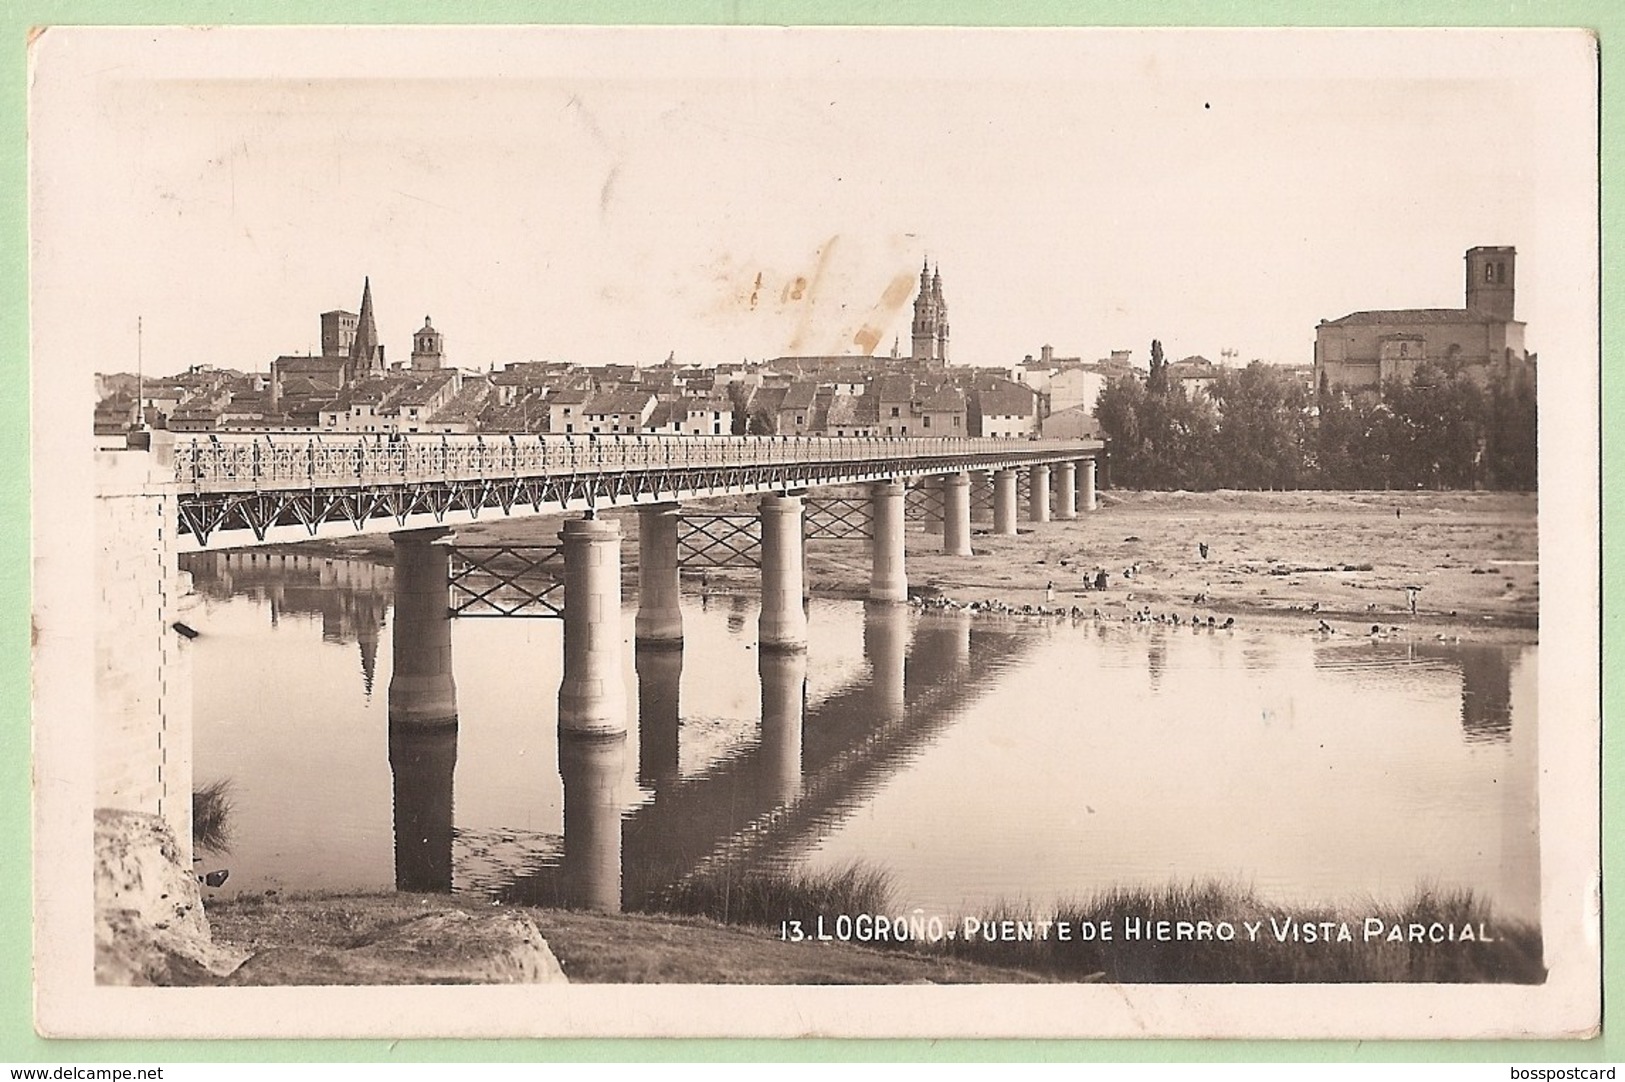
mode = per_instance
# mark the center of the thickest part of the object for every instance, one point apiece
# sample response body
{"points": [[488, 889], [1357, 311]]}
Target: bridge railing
{"points": [[247, 462]]}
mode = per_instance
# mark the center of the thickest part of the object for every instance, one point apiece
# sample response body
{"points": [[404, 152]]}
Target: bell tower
{"points": [[941, 353], [930, 332], [427, 348], [1491, 280]]}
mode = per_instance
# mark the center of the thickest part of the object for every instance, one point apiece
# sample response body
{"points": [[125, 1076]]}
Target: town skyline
{"points": [[1089, 190]]}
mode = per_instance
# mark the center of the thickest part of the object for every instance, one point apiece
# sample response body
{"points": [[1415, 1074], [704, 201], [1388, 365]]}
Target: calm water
{"points": [[976, 759]]}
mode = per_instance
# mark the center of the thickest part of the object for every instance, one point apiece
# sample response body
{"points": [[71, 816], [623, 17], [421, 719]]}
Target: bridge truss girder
{"points": [[268, 516]]}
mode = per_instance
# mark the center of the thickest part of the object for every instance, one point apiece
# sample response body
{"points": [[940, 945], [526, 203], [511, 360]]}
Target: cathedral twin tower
{"points": [[930, 318]]}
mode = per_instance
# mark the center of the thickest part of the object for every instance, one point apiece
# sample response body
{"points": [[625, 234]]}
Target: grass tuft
{"points": [[1278, 951], [769, 897], [211, 817]]}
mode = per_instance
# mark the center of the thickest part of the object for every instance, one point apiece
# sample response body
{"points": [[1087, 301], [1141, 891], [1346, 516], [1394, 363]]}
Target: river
{"points": [[976, 759]]}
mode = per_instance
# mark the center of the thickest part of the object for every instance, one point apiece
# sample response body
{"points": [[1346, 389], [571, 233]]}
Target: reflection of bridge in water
{"points": [[754, 809]]}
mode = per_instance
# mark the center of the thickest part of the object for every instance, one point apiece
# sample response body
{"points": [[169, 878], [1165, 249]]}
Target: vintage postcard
{"points": [[568, 531]]}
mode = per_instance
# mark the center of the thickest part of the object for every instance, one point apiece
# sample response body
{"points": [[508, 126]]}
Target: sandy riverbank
{"points": [[1283, 558]]}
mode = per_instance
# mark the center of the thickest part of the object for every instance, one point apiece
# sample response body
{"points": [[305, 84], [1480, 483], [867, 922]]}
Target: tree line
{"points": [[1259, 428]]}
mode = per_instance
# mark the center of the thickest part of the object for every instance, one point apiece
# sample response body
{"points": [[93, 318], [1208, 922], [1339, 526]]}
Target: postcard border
{"points": [[16, 991]]}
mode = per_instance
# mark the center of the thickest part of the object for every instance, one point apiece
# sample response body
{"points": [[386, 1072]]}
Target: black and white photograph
{"points": [[863, 532]]}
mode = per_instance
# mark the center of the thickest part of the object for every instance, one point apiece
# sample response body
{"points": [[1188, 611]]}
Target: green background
{"points": [[18, 1042]]}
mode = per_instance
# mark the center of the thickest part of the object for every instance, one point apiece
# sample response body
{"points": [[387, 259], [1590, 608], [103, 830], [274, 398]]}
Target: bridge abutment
{"points": [[421, 689], [143, 687]]}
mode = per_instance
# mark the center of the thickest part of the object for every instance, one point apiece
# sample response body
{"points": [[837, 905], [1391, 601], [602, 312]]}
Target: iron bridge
{"points": [[238, 490]]}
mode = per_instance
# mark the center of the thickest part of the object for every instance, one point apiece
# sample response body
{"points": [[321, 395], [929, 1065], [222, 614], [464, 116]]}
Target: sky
{"points": [[621, 196]]}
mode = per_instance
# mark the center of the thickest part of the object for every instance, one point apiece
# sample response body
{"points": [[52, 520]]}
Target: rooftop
{"points": [[1414, 315]]}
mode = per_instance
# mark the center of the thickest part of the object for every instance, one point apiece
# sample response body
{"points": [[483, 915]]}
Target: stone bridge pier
{"points": [[422, 691], [888, 579], [1066, 492], [1038, 493], [1004, 502], [783, 622], [956, 514], [660, 617], [592, 697]]}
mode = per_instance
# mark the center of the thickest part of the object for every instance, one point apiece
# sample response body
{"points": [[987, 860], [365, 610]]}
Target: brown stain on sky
{"points": [[867, 338], [606, 193], [804, 325], [895, 296], [747, 289]]}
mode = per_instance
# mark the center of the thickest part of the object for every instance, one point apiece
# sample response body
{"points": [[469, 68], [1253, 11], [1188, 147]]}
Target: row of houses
{"points": [[898, 398], [793, 396]]}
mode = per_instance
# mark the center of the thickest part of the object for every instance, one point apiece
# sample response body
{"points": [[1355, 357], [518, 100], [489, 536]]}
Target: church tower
{"points": [[366, 355], [1490, 281], [930, 332], [942, 316], [427, 348]]}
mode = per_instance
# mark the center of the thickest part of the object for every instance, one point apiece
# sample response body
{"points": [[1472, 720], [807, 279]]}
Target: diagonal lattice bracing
{"points": [[981, 496], [719, 541], [507, 580], [922, 501], [838, 518]]}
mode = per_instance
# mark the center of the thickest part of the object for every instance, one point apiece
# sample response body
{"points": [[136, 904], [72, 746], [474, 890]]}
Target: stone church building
{"points": [[1365, 349]]}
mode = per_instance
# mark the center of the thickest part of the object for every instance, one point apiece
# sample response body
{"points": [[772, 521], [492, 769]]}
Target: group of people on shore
{"points": [[1143, 615]]}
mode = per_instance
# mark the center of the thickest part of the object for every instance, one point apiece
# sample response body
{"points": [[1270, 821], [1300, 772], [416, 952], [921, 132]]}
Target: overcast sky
{"points": [[620, 195]]}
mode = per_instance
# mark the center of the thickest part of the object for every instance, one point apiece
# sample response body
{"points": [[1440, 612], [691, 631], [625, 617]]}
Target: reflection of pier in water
{"points": [[1485, 673], [352, 597], [755, 808]]}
